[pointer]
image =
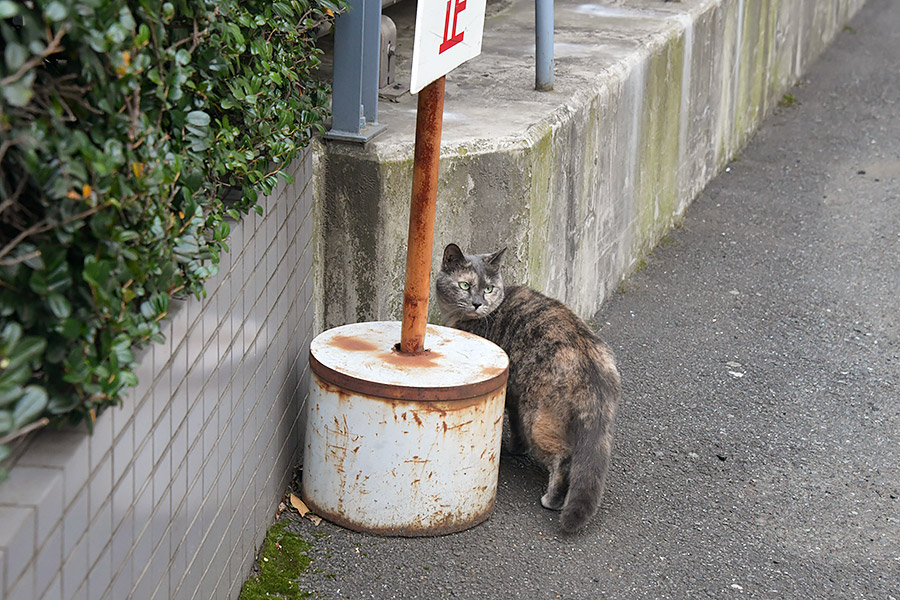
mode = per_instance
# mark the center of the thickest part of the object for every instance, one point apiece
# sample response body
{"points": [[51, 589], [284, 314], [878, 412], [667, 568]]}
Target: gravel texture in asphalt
{"points": [[758, 441]]}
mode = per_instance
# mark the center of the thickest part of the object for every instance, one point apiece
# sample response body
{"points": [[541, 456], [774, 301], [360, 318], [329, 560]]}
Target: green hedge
{"points": [[122, 125]]}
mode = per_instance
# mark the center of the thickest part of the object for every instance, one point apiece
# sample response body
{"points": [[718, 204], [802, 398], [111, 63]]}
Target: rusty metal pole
{"points": [[429, 117]]}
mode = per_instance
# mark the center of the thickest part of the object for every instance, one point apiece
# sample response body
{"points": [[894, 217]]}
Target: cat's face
{"points": [[469, 286]]}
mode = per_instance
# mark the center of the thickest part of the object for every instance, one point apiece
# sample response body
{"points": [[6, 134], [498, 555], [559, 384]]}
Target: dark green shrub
{"points": [[122, 124]]}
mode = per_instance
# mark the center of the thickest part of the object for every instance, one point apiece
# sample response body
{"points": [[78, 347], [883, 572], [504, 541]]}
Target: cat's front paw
{"points": [[548, 501]]}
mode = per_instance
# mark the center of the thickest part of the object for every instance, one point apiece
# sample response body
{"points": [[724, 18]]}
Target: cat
{"points": [[563, 387]]}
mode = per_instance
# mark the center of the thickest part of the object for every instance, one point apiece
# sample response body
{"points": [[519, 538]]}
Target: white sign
{"points": [[448, 33]]}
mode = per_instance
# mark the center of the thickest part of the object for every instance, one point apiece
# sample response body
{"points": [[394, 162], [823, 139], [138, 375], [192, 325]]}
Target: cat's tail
{"points": [[591, 453]]}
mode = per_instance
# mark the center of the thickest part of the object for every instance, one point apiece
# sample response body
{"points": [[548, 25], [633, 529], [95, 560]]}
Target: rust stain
{"points": [[355, 450], [350, 388], [492, 371], [458, 425], [417, 419], [421, 360], [352, 344]]}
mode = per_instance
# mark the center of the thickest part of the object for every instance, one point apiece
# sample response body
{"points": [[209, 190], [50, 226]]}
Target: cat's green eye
{"points": [[464, 285], [489, 289]]}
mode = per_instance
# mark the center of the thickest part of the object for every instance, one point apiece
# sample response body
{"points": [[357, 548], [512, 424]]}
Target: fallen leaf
{"points": [[298, 504]]}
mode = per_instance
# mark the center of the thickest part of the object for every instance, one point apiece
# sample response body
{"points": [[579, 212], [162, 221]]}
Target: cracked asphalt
{"points": [[758, 441]]}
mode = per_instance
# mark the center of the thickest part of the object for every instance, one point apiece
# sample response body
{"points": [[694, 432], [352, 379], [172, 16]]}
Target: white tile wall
{"points": [[172, 494]]}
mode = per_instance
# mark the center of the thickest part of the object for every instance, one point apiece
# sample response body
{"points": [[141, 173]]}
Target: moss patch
{"points": [[283, 558], [787, 100]]}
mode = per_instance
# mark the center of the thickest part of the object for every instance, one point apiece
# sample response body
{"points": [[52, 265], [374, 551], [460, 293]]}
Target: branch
{"points": [[27, 429], [42, 227], [15, 195], [19, 259], [52, 48], [7, 144]]}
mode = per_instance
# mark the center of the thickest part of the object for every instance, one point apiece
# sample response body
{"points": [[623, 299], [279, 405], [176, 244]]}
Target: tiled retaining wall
{"points": [[172, 494]]}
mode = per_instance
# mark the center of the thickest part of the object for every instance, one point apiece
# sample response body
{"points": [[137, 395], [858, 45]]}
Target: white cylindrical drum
{"points": [[398, 444]]}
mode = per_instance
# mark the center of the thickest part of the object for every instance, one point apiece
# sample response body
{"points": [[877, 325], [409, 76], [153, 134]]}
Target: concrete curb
{"points": [[652, 99]]}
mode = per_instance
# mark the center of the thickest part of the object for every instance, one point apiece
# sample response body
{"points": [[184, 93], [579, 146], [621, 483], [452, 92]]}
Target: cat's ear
{"points": [[453, 257], [494, 259]]}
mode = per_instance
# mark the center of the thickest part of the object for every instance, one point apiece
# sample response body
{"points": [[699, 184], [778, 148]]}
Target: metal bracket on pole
{"points": [[543, 37], [354, 98]]}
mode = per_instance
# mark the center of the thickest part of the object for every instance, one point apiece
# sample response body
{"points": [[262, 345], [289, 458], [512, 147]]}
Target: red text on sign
{"points": [[453, 38]]}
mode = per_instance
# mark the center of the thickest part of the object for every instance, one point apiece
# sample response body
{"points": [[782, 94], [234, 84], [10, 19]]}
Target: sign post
{"points": [[448, 33]]}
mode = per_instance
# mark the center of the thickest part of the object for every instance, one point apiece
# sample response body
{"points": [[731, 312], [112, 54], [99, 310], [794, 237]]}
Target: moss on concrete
{"points": [[283, 558], [541, 207], [659, 153]]}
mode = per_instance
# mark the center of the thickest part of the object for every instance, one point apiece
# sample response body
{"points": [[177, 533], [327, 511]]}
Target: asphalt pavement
{"points": [[757, 450]]}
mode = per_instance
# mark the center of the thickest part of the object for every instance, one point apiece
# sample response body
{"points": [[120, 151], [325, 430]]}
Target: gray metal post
{"points": [[354, 105], [543, 35], [371, 57]]}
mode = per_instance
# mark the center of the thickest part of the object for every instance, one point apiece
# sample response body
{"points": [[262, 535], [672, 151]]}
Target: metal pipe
{"points": [[543, 37], [429, 118], [371, 55], [346, 99], [354, 98]]}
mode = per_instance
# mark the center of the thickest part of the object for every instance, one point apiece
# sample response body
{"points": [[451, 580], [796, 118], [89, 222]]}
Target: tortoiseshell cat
{"points": [[563, 386]]}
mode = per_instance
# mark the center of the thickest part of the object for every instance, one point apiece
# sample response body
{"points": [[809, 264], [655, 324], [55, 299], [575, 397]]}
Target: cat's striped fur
{"points": [[563, 385]]}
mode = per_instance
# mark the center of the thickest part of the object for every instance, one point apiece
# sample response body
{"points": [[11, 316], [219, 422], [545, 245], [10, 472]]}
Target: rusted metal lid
{"points": [[361, 357]]}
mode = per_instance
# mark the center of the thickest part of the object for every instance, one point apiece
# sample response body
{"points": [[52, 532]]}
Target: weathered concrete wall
{"points": [[651, 101]]}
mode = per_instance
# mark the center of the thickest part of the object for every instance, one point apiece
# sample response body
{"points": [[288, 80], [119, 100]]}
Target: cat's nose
{"points": [[475, 305]]}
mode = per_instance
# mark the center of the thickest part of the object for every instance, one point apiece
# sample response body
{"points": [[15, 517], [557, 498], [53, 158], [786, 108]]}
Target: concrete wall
{"points": [[652, 100], [172, 495]]}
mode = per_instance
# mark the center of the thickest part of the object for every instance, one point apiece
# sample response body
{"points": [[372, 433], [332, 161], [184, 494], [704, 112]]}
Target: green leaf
{"points": [[71, 328], [10, 392], [11, 334], [128, 378], [28, 348], [198, 118], [15, 56], [8, 9], [59, 305], [182, 57], [14, 377], [56, 11], [29, 406], [96, 272], [19, 93], [143, 36], [6, 422]]}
